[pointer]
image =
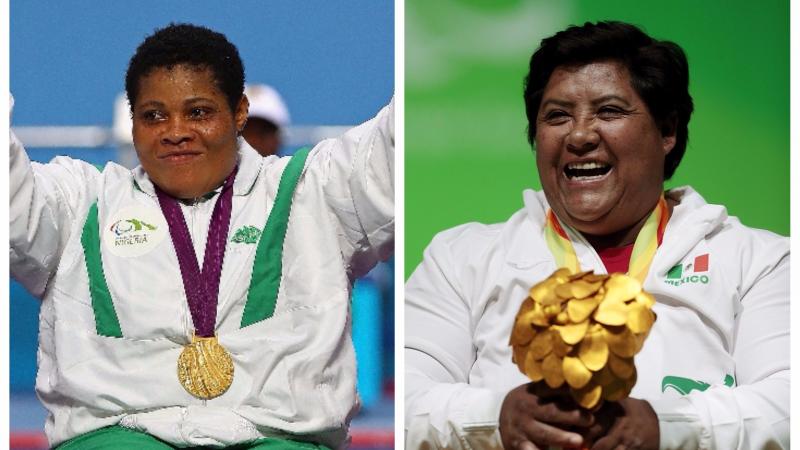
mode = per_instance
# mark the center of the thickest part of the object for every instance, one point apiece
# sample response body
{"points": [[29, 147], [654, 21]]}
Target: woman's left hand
{"points": [[633, 425]]}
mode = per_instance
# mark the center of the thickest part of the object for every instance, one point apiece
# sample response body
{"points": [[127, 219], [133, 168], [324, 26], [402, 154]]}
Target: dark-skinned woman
{"points": [[608, 108], [201, 299]]}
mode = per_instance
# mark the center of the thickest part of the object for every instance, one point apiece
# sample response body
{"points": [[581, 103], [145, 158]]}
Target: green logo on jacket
{"points": [[247, 234], [124, 226], [686, 385]]}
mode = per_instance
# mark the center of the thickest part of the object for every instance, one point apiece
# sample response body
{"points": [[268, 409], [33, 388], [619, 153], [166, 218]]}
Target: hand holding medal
{"points": [[578, 333]]}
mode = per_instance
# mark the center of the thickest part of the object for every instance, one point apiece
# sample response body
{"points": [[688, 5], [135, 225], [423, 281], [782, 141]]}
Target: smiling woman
{"points": [[599, 152], [608, 108], [184, 132], [187, 111], [161, 326]]}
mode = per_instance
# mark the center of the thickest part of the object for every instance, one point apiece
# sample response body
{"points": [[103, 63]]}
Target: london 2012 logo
{"points": [[694, 272]]}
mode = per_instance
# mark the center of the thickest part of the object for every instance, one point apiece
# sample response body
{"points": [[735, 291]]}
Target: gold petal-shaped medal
{"points": [[533, 368], [573, 333], [522, 332], [551, 311], [561, 275], [640, 318], [611, 312], [564, 291], [593, 351], [595, 277], [587, 396], [639, 340], [620, 388], [621, 367], [553, 371], [580, 275], [604, 377], [541, 345], [621, 341], [544, 292], [583, 289], [205, 369], [518, 356], [561, 348], [646, 299], [616, 390], [538, 317], [622, 288], [576, 374], [579, 310]]}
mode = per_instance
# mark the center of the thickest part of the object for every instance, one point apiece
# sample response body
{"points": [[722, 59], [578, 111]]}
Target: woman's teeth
{"points": [[586, 171]]}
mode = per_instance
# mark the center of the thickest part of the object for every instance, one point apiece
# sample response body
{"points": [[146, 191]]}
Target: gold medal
{"points": [[579, 333], [205, 368]]}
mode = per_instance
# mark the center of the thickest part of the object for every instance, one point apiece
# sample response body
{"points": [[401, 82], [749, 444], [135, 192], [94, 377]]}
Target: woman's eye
{"points": [[199, 113], [152, 116], [610, 112], [555, 116]]}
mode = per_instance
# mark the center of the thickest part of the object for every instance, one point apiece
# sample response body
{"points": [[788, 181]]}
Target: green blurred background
{"points": [[466, 157]]}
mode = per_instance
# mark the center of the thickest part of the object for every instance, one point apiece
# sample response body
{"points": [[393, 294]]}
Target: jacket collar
{"points": [[249, 167], [691, 221]]}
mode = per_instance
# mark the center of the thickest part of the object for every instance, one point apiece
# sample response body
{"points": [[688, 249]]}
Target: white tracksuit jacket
{"points": [[294, 373], [721, 318]]}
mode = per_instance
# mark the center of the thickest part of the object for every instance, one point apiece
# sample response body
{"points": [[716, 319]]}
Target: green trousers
{"points": [[119, 438]]}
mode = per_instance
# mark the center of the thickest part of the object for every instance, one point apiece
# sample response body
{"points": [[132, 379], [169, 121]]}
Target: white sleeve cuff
{"points": [[680, 427]]}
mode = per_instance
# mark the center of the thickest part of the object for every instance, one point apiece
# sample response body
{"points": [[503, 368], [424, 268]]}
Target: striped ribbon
{"points": [[644, 249]]}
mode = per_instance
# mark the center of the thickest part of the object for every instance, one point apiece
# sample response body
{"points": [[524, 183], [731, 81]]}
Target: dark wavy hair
{"points": [[658, 69], [193, 46]]}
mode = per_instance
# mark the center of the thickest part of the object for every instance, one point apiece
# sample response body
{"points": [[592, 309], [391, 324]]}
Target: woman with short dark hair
{"points": [[201, 299], [608, 108]]}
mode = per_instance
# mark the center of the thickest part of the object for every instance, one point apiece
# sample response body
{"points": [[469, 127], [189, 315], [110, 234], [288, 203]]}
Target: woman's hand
{"points": [[633, 425], [534, 417]]}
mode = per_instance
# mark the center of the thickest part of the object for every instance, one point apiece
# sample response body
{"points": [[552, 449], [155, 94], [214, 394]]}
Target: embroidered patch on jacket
{"points": [[247, 234], [684, 386], [134, 231], [695, 272]]}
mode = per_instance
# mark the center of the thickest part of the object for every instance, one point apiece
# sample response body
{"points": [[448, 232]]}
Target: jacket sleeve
{"points": [[357, 171], [442, 409], [42, 211], [755, 413]]}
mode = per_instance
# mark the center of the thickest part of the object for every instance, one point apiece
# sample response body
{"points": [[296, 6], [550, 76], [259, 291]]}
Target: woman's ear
{"points": [[669, 131], [240, 115]]}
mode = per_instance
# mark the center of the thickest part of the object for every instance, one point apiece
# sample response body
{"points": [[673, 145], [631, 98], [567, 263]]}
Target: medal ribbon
{"points": [[644, 248], [201, 288]]}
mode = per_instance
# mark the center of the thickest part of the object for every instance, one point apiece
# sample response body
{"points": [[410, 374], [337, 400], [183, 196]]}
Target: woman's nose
{"points": [[583, 137], [176, 133]]}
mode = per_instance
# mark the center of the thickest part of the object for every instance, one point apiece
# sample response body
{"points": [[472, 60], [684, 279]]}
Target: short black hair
{"points": [[659, 73], [193, 46]]}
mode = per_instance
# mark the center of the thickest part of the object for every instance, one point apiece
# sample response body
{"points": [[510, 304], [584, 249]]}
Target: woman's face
{"points": [[599, 152], [184, 131]]}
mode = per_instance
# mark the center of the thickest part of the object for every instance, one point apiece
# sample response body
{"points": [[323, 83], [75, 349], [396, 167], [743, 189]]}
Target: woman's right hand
{"points": [[534, 417]]}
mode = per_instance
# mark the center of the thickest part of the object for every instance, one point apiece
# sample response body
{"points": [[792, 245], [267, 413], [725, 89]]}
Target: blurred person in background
{"points": [[608, 109], [267, 119], [202, 298]]}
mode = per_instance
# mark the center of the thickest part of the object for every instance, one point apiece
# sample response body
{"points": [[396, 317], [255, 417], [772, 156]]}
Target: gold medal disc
{"points": [[205, 368]]}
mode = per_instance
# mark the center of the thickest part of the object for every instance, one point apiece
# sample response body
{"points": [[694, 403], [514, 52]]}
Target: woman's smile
{"points": [[184, 130], [599, 151]]}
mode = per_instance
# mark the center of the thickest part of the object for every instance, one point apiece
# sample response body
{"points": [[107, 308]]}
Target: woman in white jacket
{"points": [[201, 299], [608, 109]]}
